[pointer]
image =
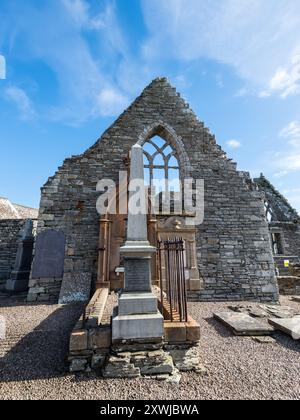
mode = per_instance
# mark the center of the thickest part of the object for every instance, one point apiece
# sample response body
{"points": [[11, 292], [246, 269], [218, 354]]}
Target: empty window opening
{"points": [[277, 243]]}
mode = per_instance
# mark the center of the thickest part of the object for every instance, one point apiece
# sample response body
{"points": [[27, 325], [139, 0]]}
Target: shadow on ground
{"points": [[43, 352]]}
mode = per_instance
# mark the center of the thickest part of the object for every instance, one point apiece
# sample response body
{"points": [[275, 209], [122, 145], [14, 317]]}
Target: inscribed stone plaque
{"points": [[137, 275], [49, 255]]}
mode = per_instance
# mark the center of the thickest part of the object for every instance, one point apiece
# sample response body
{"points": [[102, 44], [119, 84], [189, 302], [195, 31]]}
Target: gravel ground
{"points": [[32, 361]]}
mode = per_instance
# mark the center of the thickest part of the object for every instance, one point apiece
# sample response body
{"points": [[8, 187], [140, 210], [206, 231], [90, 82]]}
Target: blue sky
{"points": [[73, 65]]}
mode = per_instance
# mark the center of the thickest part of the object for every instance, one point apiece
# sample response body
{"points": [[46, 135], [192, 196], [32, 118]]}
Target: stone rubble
{"points": [[162, 364], [154, 364], [187, 360], [78, 365]]}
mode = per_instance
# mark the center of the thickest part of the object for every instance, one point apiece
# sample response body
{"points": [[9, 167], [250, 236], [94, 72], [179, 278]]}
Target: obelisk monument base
{"points": [[138, 319]]}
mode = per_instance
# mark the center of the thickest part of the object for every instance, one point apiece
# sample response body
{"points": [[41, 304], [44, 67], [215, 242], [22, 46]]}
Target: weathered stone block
{"points": [[175, 332], [192, 331], [98, 361], [100, 338], [78, 365], [79, 340], [32, 297]]}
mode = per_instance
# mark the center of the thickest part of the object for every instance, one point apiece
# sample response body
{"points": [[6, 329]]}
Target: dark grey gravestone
{"points": [[137, 275], [49, 255], [19, 279]]}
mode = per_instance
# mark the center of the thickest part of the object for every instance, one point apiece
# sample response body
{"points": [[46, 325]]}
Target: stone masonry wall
{"points": [[234, 251], [9, 232], [290, 232]]}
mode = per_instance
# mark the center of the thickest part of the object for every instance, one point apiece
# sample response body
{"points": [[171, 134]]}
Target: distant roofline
{"points": [[25, 207], [17, 204]]}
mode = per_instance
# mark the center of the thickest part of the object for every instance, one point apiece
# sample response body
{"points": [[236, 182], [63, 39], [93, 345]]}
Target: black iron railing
{"points": [[173, 298]]}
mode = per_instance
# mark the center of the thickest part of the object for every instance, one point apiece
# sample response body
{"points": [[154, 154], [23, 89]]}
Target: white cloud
{"points": [[286, 80], [288, 160], [264, 94], [291, 131], [82, 73], [111, 102], [242, 92], [81, 14], [19, 97], [281, 174], [2, 67], [78, 10], [234, 144], [256, 37]]}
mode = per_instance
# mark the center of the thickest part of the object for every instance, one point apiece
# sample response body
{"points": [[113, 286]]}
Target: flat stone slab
{"points": [[265, 311], [296, 299], [290, 326], [281, 311], [243, 324]]}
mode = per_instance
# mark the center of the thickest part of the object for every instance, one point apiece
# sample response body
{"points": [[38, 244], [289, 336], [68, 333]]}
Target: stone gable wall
{"points": [[234, 251], [9, 235]]}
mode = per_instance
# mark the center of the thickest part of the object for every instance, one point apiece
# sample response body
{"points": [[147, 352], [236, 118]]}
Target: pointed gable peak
{"points": [[162, 83], [161, 87]]}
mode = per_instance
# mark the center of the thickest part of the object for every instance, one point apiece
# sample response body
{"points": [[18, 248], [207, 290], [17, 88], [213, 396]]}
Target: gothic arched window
{"points": [[161, 165]]}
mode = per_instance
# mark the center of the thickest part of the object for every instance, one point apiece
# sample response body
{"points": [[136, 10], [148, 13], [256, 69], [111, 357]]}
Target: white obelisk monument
{"points": [[138, 319]]}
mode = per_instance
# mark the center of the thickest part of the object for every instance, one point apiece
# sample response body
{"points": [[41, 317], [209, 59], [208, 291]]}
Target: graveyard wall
{"points": [[234, 250], [9, 232]]}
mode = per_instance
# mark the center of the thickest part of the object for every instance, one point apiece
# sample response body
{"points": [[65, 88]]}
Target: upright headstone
{"points": [[138, 319], [49, 255], [19, 279]]}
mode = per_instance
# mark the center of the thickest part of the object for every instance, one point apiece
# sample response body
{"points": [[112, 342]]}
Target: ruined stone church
{"points": [[230, 256]]}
